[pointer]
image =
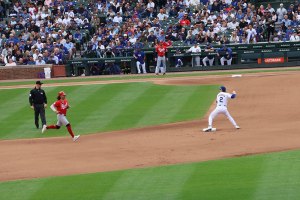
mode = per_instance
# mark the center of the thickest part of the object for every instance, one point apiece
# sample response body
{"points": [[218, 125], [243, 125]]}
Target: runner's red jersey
{"points": [[62, 106], [161, 51]]}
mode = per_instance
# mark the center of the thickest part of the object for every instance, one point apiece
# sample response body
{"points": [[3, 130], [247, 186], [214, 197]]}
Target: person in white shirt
{"points": [[161, 15], [66, 21], [39, 45], [195, 49], [294, 37], [132, 39], [11, 62], [150, 4], [118, 18], [251, 34], [233, 24], [221, 108], [234, 38], [281, 11], [40, 61]]}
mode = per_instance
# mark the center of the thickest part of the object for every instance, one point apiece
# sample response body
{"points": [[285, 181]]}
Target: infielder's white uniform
{"points": [[222, 100]]}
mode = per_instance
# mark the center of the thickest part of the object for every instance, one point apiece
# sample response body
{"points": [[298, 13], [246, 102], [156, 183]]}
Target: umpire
{"points": [[38, 102]]}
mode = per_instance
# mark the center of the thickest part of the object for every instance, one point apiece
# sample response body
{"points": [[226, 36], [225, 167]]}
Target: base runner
{"points": [[222, 99], [60, 108]]}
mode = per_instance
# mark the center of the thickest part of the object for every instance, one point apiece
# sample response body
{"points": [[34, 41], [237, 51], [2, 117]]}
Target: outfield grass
{"points": [[98, 108], [126, 77], [273, 176]]}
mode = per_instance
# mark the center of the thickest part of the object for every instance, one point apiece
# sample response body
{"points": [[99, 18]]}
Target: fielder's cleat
{"points": [[237, 127], [76, 138], [44, 128], [206, 129]]}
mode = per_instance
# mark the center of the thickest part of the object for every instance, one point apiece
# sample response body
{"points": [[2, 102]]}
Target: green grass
{"points": [[273, 176], [126, 77], [98, 108]]}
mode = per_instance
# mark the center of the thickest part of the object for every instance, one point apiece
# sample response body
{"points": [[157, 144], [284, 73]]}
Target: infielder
{"points": [[222, 99], [161, 51], [60, 108], [140, 61]]}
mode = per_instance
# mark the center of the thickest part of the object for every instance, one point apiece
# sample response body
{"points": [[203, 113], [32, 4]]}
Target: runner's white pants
{"points": [[61, 120], [158, 64], [220, 110]]}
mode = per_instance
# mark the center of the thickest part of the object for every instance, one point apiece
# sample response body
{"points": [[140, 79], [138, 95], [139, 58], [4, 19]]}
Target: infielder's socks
{"points": [[51, 127], [70, 131]]}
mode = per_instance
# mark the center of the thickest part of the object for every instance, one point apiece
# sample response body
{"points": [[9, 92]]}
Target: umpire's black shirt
{"points": [[37, 96]]}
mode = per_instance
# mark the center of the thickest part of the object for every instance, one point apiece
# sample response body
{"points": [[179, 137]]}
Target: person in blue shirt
{"points": [[226, 54], [139, 55], [78, 36]]}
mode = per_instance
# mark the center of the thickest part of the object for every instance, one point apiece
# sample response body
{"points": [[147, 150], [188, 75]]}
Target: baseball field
{"points": [[141, 138]]}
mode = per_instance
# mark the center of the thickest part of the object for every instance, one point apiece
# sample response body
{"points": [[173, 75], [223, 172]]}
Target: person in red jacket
{"points": [[60, 107], [185, 21], [161, 50]]}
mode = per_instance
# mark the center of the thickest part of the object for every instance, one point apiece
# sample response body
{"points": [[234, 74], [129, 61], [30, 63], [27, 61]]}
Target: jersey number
{"points": [[221, 99]]}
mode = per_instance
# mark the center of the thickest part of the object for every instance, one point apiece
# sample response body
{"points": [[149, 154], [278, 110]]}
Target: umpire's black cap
{"points": [[38, 83]]}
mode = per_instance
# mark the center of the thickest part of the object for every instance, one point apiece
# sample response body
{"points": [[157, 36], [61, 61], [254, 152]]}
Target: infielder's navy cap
{"points": [[38, 83], [223, 88]]}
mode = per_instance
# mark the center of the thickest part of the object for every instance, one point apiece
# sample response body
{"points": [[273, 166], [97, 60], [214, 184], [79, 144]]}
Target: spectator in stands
{"points": [[70, 48], [8, 57], [294, 37], [185, 21], [286, 21], [40, 60], [210, 58], [226, 55], [251, 34], [281, 11], [270, 9], [161, 15], [234, 38], [53, 59], [10, 62]]}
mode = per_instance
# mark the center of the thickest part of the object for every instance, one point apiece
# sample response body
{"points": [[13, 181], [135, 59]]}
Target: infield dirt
{"points": [[266, 109]]}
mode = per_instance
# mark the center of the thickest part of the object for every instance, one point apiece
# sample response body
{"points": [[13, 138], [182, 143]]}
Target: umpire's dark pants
{"points": [[39, 109]]}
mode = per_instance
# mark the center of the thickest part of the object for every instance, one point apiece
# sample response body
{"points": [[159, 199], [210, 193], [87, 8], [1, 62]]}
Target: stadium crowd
{"points": [[53, 31]]}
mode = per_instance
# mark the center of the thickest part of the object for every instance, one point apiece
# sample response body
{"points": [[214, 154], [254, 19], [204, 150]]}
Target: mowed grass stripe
{"points": [[284, 176], [130, 115], [77, 97], [107, 109], [234, 179], [84, 188], [153, 183], [167, 106], [96, 108], [25, 191], [20, 123], [197, 104]]}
